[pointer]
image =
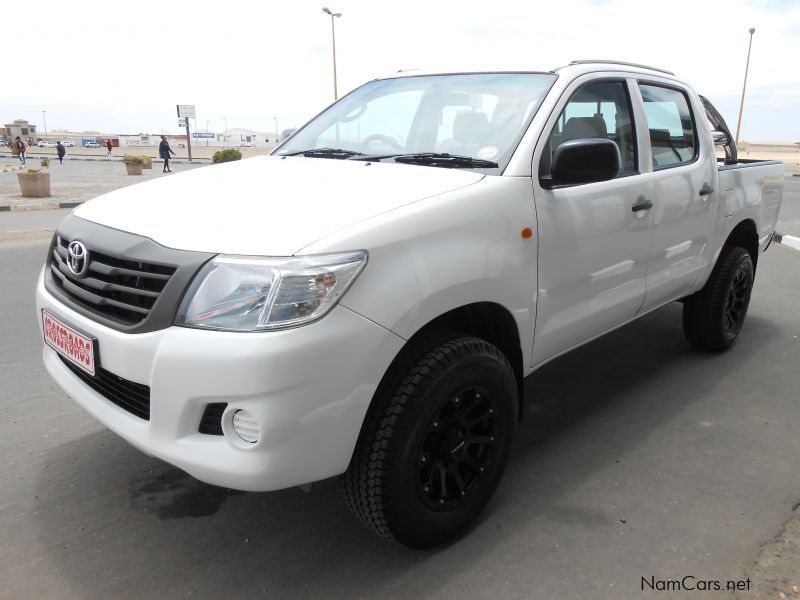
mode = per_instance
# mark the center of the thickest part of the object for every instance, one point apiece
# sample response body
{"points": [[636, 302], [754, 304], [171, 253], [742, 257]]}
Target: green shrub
{"points": [[32, 170], [45, 162], [132, 159], [227, 155]]}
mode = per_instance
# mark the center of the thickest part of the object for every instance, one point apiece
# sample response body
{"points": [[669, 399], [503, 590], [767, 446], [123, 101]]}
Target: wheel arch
{"points": [[745, 235], [489, 321]]}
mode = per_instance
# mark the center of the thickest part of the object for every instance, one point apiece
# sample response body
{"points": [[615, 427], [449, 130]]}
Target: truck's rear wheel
{"points": [[713, 317], [434, 447]]}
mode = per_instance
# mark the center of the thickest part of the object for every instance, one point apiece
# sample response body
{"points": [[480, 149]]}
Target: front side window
{"points": [[669, 120], [597, 110], [480, 116]]}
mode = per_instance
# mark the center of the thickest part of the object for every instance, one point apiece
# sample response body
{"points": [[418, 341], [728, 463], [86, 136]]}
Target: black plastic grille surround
{"points": [[132, 284], [122, 290], [130, 396]]}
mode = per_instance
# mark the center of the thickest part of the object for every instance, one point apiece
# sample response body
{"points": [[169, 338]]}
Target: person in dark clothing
{"points": [[19, 146], [61, 151], [108, 145], [164, 151]]}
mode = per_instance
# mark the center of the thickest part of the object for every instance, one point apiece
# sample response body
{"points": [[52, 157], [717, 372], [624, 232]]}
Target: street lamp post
{"points": [[225, 137], [45, 123], [276, 129], [333, 15], [206, 133], [744, 85]]}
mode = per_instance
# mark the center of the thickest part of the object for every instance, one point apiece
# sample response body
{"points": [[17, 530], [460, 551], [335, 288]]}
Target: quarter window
{"points": [[673, 138], [597, 110]]}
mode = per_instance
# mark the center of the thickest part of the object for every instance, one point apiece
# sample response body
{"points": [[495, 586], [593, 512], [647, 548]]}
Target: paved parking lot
{"points": [[639, 458]]}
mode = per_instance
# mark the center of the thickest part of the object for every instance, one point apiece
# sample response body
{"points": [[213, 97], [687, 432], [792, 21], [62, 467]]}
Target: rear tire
{"points": [[713, 317], [434, 446]]}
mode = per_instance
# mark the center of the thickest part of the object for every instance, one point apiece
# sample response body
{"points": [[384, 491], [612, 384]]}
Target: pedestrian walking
{"points": [[164, 151], [108, 145], [61, 151], [19, 146]]}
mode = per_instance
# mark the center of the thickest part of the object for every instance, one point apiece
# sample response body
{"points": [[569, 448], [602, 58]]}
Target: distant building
{"points": [[21, 128]]}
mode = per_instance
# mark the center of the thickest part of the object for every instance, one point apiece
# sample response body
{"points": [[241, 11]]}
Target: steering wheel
{"points": [[377, 138]]}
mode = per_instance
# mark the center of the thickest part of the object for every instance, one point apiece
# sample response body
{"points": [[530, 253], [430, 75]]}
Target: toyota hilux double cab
{"points": [[367, 300]]}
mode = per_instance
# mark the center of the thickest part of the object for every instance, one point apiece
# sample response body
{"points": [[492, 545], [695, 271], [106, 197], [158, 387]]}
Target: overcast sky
{"points": [[122, 67]]}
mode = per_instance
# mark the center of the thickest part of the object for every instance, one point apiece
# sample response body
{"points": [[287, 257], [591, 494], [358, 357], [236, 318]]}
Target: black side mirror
{"points": [[584, 160]]}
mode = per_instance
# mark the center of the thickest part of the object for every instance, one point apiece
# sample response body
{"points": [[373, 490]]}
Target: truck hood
{"points": [[266, 205]]}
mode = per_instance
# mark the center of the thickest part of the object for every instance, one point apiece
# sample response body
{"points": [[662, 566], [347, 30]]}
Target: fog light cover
{"points": [[245, 426]]}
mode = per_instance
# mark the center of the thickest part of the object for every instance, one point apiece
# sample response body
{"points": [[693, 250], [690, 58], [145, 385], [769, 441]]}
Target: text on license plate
{"points": [[74, 346]]}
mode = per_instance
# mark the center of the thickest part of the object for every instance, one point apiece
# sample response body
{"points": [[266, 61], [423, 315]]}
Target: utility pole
{"points": [[45, 123], [744, 85]]}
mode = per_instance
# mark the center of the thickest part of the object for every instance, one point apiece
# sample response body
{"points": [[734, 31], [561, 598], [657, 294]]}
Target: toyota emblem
{"points": [[77, 259]]}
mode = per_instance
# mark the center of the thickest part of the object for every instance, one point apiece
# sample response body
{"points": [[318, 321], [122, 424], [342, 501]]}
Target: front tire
{"points": [[435, 444], [713, 317]]}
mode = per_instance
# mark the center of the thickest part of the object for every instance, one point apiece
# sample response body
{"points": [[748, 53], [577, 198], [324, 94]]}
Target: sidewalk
{"points": [[76, 180]]}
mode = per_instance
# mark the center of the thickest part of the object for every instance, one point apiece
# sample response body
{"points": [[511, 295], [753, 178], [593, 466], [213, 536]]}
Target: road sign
{"points": [[182, 123], [186, 110], [202, 134]]}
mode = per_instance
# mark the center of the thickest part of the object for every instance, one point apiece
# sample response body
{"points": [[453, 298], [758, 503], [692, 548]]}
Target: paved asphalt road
{"points": [[638, 458], [789, 219]]}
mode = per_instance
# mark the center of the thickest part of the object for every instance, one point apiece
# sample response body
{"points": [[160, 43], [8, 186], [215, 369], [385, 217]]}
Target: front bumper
{"points": [[309, 388]]}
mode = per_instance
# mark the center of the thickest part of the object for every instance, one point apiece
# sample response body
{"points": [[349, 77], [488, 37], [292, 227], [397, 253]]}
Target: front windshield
{"points": [[480, 116]]}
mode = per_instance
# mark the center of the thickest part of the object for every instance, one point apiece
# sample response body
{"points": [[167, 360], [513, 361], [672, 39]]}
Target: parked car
{"points": [[91, 144], [245, 145], [376, 319], [68, 143]]}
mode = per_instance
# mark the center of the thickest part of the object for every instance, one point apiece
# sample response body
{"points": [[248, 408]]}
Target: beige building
{"points": [[21, 128]]}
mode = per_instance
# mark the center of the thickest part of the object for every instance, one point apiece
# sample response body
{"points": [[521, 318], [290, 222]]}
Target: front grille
{"points": [[211, 423], [122, 290], [130, 396]]}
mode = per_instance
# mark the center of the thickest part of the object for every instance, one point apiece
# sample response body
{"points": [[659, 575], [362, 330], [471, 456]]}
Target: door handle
{"points": [[641, 204], [706, 190]]}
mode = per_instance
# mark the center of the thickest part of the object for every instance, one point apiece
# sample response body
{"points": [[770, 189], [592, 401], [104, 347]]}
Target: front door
{"points": [[593, 245]]}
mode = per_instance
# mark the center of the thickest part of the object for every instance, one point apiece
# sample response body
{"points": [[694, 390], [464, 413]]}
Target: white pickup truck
{"points": [[366, 301]]}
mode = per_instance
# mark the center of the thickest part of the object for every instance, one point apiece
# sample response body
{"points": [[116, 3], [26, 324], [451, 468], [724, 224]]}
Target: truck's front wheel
{"points": [[435, 445], [713, 317]]}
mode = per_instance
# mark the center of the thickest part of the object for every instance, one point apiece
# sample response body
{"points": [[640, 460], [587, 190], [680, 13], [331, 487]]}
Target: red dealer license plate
{"points": [[75, 347]]}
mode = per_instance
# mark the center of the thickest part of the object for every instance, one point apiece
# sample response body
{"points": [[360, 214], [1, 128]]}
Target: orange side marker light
{"points": [[527, 233]]}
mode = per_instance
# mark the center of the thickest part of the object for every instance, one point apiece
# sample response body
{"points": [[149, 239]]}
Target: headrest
{"points": [[471, 128], [585, 127]]}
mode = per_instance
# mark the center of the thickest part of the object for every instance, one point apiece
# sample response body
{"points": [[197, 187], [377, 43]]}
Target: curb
{"points": [[40, 206], [789, 241], [26, 235], [12, 169]]}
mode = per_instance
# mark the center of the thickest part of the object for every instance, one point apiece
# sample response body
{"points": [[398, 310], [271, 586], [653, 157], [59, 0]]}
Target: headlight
{"points": [[241, 293]]}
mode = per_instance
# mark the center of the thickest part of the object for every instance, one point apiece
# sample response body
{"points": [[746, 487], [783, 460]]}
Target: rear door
{"points": [[683, 178], [593, 245]]}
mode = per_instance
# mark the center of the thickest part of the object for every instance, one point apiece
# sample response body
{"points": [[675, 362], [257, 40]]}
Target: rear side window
{"points": [[672, 131], [597, 110]]}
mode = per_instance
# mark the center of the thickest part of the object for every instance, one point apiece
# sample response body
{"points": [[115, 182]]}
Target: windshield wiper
{"points": [[324, 153], [436, 158]]}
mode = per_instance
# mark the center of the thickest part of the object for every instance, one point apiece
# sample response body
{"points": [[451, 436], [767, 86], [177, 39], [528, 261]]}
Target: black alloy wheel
{"points": [[458, 447]]}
